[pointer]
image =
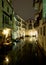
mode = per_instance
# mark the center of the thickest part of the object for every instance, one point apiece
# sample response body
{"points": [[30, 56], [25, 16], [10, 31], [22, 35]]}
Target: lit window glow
{"points": [[6, 32]]}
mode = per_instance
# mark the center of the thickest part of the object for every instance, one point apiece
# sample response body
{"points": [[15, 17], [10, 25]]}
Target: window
{"points": [[37, 6], [40, 15], [6, 19], [2, 3], [3, 20], [44, 30], [7, 9], [30, 25], [23, 26], [18, 19], [19, 24], [10, 16], [1, 39], [36, 22]]}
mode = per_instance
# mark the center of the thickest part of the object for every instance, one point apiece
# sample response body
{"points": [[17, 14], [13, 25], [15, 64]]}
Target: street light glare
{"points": [[34, 32], [6, 32], [6, 59]]}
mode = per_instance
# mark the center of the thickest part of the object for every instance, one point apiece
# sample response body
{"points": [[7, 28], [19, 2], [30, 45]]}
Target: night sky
{"points": [[24, 8]]}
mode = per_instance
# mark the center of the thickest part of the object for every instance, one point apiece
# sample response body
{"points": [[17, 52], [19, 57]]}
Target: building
{"points": [[40, 22], [6, 12], [15, 27], [29, 25], [18, 26]]}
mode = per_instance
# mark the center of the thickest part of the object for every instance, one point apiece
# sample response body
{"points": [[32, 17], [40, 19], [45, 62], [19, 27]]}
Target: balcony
{"points": [[18, 19], [19, 24], [23, 26]]}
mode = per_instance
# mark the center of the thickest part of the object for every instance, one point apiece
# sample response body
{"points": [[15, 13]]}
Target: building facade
{"points": [[40, 22], [18, 26], [6, 12]]}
